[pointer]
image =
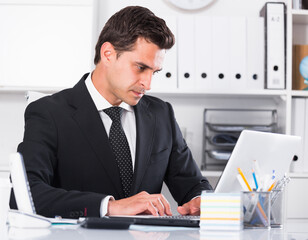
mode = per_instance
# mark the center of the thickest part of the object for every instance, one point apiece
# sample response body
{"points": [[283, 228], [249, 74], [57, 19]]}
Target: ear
{"points": [[107, 53]]}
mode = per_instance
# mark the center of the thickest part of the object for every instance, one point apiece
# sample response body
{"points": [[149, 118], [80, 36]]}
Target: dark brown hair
{"points": [[124, 28]]}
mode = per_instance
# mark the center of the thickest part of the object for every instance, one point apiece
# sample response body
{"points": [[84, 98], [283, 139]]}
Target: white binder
{"points": [[274, 13], [305, 140], [203, 52], [186, 53], [166, 79], [255, 53], [220, 53], [237, 60], [299, 117]]}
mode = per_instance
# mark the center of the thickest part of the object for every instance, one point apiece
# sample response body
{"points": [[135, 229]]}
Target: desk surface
{"points": [[293, 231]]}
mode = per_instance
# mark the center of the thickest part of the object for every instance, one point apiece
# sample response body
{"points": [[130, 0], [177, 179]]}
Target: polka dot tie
{"points": [[120, 148]]}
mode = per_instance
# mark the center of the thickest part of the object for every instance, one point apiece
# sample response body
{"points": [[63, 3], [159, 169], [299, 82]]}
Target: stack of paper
{"points": [[221, 211]]}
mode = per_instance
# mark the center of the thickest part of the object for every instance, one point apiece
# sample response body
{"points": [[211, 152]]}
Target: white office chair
{"points": [[32, 96]]}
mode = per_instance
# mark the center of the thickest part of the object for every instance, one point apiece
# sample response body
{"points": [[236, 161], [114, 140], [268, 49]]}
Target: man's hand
{"points": [[141, 203], [191, 208]]}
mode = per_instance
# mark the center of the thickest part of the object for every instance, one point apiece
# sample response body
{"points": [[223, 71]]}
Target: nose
{"points": [[146, 81]]}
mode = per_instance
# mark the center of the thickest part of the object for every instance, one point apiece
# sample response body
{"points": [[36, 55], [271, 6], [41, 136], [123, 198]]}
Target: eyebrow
{"points": [[146, 66]]}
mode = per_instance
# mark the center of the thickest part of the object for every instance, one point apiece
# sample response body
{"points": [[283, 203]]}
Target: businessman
{"points": [[103, 147]]}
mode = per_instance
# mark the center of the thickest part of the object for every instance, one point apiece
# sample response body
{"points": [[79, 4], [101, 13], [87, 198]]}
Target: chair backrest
{"points": [[33, 96]]}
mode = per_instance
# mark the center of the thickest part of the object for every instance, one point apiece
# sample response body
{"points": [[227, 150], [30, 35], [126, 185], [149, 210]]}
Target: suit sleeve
{"points": [[183, 178], [39, 149]]}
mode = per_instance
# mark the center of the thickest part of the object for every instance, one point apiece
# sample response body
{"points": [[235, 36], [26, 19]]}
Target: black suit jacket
{"points": [[70, 164]]}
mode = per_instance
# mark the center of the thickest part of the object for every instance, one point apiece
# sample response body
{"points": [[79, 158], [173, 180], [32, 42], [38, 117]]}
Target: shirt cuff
{"points": [[104, 205], [195, 197]]}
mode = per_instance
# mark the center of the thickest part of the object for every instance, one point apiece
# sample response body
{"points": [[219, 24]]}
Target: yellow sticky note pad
{"points": [[221, 211]]}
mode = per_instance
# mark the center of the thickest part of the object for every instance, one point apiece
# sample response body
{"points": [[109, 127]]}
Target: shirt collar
{"points": [[100, 102]]}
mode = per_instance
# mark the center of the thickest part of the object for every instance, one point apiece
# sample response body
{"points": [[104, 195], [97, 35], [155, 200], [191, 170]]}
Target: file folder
{"points": [[298, 128], [305, 140], [186, 53], [166, 79], [275, 45], [220, 53], [237, 60], [203, 43], [255, 53]]}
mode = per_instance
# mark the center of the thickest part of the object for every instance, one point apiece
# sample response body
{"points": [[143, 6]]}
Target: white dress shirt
{"points": [[128, 121]]}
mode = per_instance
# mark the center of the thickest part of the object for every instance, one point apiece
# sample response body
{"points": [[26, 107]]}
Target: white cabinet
{"points": [[45, 43], [296, 198]]}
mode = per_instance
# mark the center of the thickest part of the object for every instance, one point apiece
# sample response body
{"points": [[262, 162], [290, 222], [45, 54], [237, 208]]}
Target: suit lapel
{"points": [[90, 123], [145, 125]]}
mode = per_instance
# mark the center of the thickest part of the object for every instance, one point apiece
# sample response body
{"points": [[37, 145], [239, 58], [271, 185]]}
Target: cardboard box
{"points": [[299, 52]]}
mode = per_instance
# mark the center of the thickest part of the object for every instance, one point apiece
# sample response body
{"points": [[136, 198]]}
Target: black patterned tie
{"points": [[120, 148]]}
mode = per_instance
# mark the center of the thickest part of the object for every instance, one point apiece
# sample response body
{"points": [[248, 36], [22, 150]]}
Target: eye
{"points": [[140, 68]]}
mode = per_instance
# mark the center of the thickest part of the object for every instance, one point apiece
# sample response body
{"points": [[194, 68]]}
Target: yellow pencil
{"points": [[242, 174], [271, 187]]}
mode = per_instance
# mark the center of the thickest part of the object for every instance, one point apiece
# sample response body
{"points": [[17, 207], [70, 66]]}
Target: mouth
{"points": [[139, 93]]}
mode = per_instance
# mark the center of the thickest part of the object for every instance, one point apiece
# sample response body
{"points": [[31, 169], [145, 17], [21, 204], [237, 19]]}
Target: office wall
{"points": [[12, 106], [163, 8]]}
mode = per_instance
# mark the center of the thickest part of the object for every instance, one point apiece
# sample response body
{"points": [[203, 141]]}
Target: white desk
{"points": [[294, 231]]}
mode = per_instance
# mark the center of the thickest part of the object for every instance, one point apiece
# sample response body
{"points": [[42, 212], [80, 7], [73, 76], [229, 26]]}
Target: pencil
{"points": [[242, 174], [271, 187], [255, 179]]}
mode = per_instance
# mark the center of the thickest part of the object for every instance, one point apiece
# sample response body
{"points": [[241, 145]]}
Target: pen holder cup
{"points": [[277, 207], [256, 206]]}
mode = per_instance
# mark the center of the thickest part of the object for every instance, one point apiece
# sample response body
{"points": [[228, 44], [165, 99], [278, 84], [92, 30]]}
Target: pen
{"points": [[242, 174], [273, 175], [255, 179], [256, 166], [272, 181], [258, 174]]}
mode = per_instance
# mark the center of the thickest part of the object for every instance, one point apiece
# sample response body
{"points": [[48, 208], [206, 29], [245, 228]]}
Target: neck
{"points": [[101, 84]]}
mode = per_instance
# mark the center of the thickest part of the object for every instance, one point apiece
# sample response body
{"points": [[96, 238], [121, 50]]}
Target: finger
{"points": [[164, 202], [151, 208], [183, 210], [166, 205], [195, 211], [160, 206]]}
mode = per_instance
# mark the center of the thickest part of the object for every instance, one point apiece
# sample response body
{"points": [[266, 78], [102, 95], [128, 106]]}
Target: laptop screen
{"points": [[273, 153]]}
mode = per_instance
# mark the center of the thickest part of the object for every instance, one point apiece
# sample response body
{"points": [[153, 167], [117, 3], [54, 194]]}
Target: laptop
{"points": [[273, 153]]}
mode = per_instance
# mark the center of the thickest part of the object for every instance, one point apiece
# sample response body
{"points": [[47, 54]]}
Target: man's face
{"points": [[130, 74]]}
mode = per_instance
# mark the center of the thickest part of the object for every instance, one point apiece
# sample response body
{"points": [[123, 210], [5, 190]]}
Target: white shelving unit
{"points": [[299, 16], [15, 89], [297, 28], [299, 93], [294, 203], [224, 93]]}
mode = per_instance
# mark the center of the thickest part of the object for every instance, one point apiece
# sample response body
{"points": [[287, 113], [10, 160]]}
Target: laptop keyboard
{"points": [[184, 217]]}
